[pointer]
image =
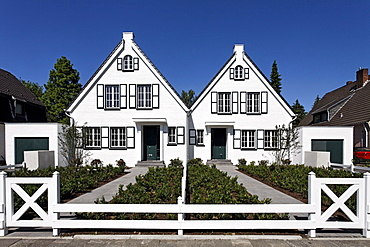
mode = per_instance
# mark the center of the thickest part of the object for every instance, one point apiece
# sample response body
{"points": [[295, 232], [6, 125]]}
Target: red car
{"points": [[361, 155]]}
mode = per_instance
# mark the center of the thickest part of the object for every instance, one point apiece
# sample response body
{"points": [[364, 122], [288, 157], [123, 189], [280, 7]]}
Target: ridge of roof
{"points": [[11, 86]]}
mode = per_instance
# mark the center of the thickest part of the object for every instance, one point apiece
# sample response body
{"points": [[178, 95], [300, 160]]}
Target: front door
{"points": [[218, 143], [151, 143]]}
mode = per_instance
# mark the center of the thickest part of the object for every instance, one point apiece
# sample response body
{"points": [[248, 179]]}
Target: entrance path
{"points": [[255, 187], [110, 189]]}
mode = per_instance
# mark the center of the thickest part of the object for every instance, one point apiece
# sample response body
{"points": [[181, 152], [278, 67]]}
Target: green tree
{"points": [[275, 78], [299, 111], [61, 88], [188, 97], [316, 101], [35, 88]]}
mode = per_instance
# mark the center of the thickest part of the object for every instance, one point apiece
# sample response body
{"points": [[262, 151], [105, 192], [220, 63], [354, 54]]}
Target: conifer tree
{"points": [[298, 109], [316, 101], [61, 88], [275, 78], [188, 97]]}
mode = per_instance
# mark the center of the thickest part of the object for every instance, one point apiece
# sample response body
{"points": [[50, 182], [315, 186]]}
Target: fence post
{"points": [[312, 199], [180, 217], [365, 231], [3, 228], [54, 197]]}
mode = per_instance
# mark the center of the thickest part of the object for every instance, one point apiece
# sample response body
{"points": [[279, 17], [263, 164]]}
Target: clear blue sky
{"points": [[318, 45]]}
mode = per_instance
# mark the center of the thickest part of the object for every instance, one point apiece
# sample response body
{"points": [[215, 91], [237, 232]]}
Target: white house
{"points": [[130, 111], [237, 113]]}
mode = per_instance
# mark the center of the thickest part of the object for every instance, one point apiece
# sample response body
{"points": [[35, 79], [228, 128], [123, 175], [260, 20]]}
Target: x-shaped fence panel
{"points": [[12, 186]]}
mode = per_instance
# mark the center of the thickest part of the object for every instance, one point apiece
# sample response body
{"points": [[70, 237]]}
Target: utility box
{"points": [[39, 159], [317, 159]]}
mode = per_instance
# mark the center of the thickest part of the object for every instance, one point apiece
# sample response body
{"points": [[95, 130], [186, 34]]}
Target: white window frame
{"points": [[128, 63], [171, 135], [239, 73], [92, 137], [224, 103], [248, 139], [200, 137], [144, 97], [271, 139], [253, 103], [112, 97], [118, 137]]}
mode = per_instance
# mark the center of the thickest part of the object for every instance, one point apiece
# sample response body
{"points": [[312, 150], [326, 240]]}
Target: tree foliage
{"points": [[275, 78], [61, 88], [299, 111], [288, 143], [35, 88], [188, 97], [71, 142]]}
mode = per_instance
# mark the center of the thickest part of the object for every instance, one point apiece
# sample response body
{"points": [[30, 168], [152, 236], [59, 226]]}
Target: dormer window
{"points": [[239, 73], [128, 63]]}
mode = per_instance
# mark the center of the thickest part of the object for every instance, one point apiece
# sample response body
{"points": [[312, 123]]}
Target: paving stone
{"points": [[7, 242], [241, 243]]}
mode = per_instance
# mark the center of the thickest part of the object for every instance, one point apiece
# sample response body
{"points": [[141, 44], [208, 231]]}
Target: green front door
{"points": [[151, 142], [218, 143], [29, 144]]}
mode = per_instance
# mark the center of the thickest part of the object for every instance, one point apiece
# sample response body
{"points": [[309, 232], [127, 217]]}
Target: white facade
{"points": [[237, 114], [129, 111], [32, 131], [343, 135], [2, 140]]}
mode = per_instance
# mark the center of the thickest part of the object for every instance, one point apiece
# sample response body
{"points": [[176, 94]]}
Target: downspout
{"points": [[366, 141], [71, 123]]}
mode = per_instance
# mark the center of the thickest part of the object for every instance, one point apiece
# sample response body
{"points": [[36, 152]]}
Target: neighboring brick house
{"points": [[348, 105]]}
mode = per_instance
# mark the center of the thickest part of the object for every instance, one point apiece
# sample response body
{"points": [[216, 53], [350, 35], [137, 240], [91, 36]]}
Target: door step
{"points": [[150, 163], [219, 162]]}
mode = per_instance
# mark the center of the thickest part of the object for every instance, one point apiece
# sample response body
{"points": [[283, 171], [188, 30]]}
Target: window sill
{"points": [[171, 144], [92, 148], [253, 113], [112, 109], [248, 149], [118, 148], [224, 113], [200, 145]]}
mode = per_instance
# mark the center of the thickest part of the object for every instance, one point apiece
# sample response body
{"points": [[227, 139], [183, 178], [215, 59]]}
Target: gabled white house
{"points": [[236, 114], [130, 111]]}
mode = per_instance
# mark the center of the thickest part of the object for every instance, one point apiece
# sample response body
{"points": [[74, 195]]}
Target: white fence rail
{"points": [[316, 218]]}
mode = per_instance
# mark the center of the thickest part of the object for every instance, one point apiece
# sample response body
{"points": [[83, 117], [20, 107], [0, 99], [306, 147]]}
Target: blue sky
{"points": [[318, 45]]}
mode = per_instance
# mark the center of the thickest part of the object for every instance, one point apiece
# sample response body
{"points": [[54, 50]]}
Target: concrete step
{"points": [[150, 163], [219, 162]]}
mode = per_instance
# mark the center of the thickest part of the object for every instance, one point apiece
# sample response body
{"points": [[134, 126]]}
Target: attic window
{"points": [[239, 73], [128, 63]]}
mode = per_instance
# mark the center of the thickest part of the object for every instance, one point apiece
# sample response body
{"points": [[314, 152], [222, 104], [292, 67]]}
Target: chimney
{"points": [[362, 75]]}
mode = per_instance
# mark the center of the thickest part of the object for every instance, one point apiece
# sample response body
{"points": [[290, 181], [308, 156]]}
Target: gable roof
{"points": [[347, 105], [11, 86], [252, 65], [108, 60]]}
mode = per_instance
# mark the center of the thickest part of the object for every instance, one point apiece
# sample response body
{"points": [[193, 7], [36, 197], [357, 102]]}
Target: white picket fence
{"points": [[316, 218]]}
